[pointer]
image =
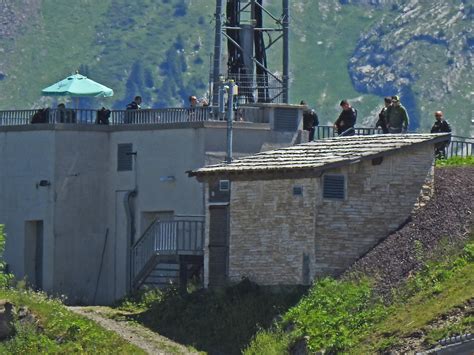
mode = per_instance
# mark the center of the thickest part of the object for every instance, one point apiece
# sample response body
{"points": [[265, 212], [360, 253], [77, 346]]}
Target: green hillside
{"points": [[161, 50]]}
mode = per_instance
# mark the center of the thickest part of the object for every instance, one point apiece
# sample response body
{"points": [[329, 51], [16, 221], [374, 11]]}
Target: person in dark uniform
{"points": [[382, 121], [131, 114], [135, 104], [310, 120], [440, 126], [346, 120]]}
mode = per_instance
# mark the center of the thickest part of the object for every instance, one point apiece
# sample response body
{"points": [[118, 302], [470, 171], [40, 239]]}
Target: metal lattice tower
{"points": [[248, 39]]}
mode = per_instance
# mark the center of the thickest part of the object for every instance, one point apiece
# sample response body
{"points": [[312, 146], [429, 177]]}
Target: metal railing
{"points": [[182, 236], [87, 116], [460, 146], [322, 132]]}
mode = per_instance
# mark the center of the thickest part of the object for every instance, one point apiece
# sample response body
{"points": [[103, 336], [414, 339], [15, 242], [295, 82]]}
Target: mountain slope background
{"points": [[359, 50]]}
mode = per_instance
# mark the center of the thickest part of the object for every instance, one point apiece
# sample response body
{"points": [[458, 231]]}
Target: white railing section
{"points": [[184, 236]]}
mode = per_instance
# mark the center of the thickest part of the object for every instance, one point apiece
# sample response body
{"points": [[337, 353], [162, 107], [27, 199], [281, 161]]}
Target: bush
{"points": [[5, 278], [334, 314]]}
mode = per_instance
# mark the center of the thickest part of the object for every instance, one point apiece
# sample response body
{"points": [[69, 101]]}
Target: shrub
{"points": [[5, 278], [334, 314]]}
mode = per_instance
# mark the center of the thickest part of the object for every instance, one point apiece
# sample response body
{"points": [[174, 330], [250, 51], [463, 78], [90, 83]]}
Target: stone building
{"points": [[289, 215]]}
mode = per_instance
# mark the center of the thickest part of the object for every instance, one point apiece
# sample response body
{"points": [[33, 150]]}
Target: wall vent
{"points": [[334, 187], [297, 190], [124, 157], [285, 119]]}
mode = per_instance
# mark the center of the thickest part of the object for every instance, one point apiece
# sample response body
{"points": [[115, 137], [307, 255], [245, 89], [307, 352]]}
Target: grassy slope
{"points": [[344, 316], [55, 44], [63, 332], [419, 311]]}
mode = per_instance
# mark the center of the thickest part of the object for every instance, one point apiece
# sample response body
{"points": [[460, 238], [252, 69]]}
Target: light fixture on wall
{"points": [[43, 183], [168, 178]]}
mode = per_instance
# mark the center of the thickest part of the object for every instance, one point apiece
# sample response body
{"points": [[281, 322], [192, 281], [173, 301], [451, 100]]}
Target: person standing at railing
{"points": [[397, 117], [193, 104], [131, 109], [310, 120], [346, 120], [65, 115], [382, 121], [440, 126]]}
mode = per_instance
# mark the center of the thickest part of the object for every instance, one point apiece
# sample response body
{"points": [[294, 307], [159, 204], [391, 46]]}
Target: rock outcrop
{"points": [[420, 50]]}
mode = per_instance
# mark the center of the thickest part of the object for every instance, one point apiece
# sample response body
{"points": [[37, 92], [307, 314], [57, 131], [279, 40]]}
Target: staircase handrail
{"points": [[182, 235]]}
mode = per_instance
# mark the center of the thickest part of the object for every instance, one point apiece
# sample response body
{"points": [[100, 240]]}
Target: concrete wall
{"points": [[88, 208], [26, 158], [81, 223], [279, 238]]}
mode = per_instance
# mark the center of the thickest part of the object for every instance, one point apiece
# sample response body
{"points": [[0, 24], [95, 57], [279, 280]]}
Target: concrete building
{"points": [[289, 215], [76, 198]]}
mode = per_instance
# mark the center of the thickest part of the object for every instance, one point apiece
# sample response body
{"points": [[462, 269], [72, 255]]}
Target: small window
{"points": [[224, 185], [297, 190], [334, 187], [124, 157]]}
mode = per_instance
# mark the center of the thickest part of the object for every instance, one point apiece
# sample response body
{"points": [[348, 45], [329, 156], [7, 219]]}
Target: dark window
{"points": [[334, 187], [224, 185], [297, 190], [124, 157]]}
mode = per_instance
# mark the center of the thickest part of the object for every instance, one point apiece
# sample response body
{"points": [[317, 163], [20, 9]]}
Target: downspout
{"points": [[130, 213]]}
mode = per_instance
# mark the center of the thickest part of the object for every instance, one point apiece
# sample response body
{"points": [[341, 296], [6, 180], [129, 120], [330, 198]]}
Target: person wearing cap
{"points": [[382, 121], [310, 120], [346, 120], [397, 116], [440, 126]]}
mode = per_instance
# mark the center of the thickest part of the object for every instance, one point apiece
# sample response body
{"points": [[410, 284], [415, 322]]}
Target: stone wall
{"points": [[277, 237], [379, 200], [272, 231]]}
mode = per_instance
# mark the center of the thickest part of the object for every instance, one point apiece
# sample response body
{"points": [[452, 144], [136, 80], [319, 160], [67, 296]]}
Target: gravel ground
{"points": [[445, 221]]}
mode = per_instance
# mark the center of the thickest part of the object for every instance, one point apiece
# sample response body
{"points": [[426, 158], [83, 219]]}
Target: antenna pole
{"points": [[216, 72]]}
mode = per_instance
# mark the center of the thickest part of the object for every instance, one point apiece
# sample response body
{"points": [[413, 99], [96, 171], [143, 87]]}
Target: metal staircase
{"points": [[168, 252]]}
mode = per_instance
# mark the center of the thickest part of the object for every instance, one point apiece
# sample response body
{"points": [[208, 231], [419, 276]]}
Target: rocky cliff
{"points": [[420, 50]]}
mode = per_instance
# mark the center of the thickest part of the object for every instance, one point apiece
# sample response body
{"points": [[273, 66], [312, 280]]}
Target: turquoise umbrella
{"points": [[77, 85]]}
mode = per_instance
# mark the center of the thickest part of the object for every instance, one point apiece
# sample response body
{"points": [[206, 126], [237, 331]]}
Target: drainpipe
{"points": [[131, 221]]}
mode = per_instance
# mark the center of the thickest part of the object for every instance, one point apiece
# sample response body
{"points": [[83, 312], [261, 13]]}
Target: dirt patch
{"points": [[134, 333], [445, 222]]}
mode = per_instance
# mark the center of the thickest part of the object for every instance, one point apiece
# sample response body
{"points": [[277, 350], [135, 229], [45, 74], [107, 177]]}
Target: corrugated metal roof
{"points": [[320, 153]]}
